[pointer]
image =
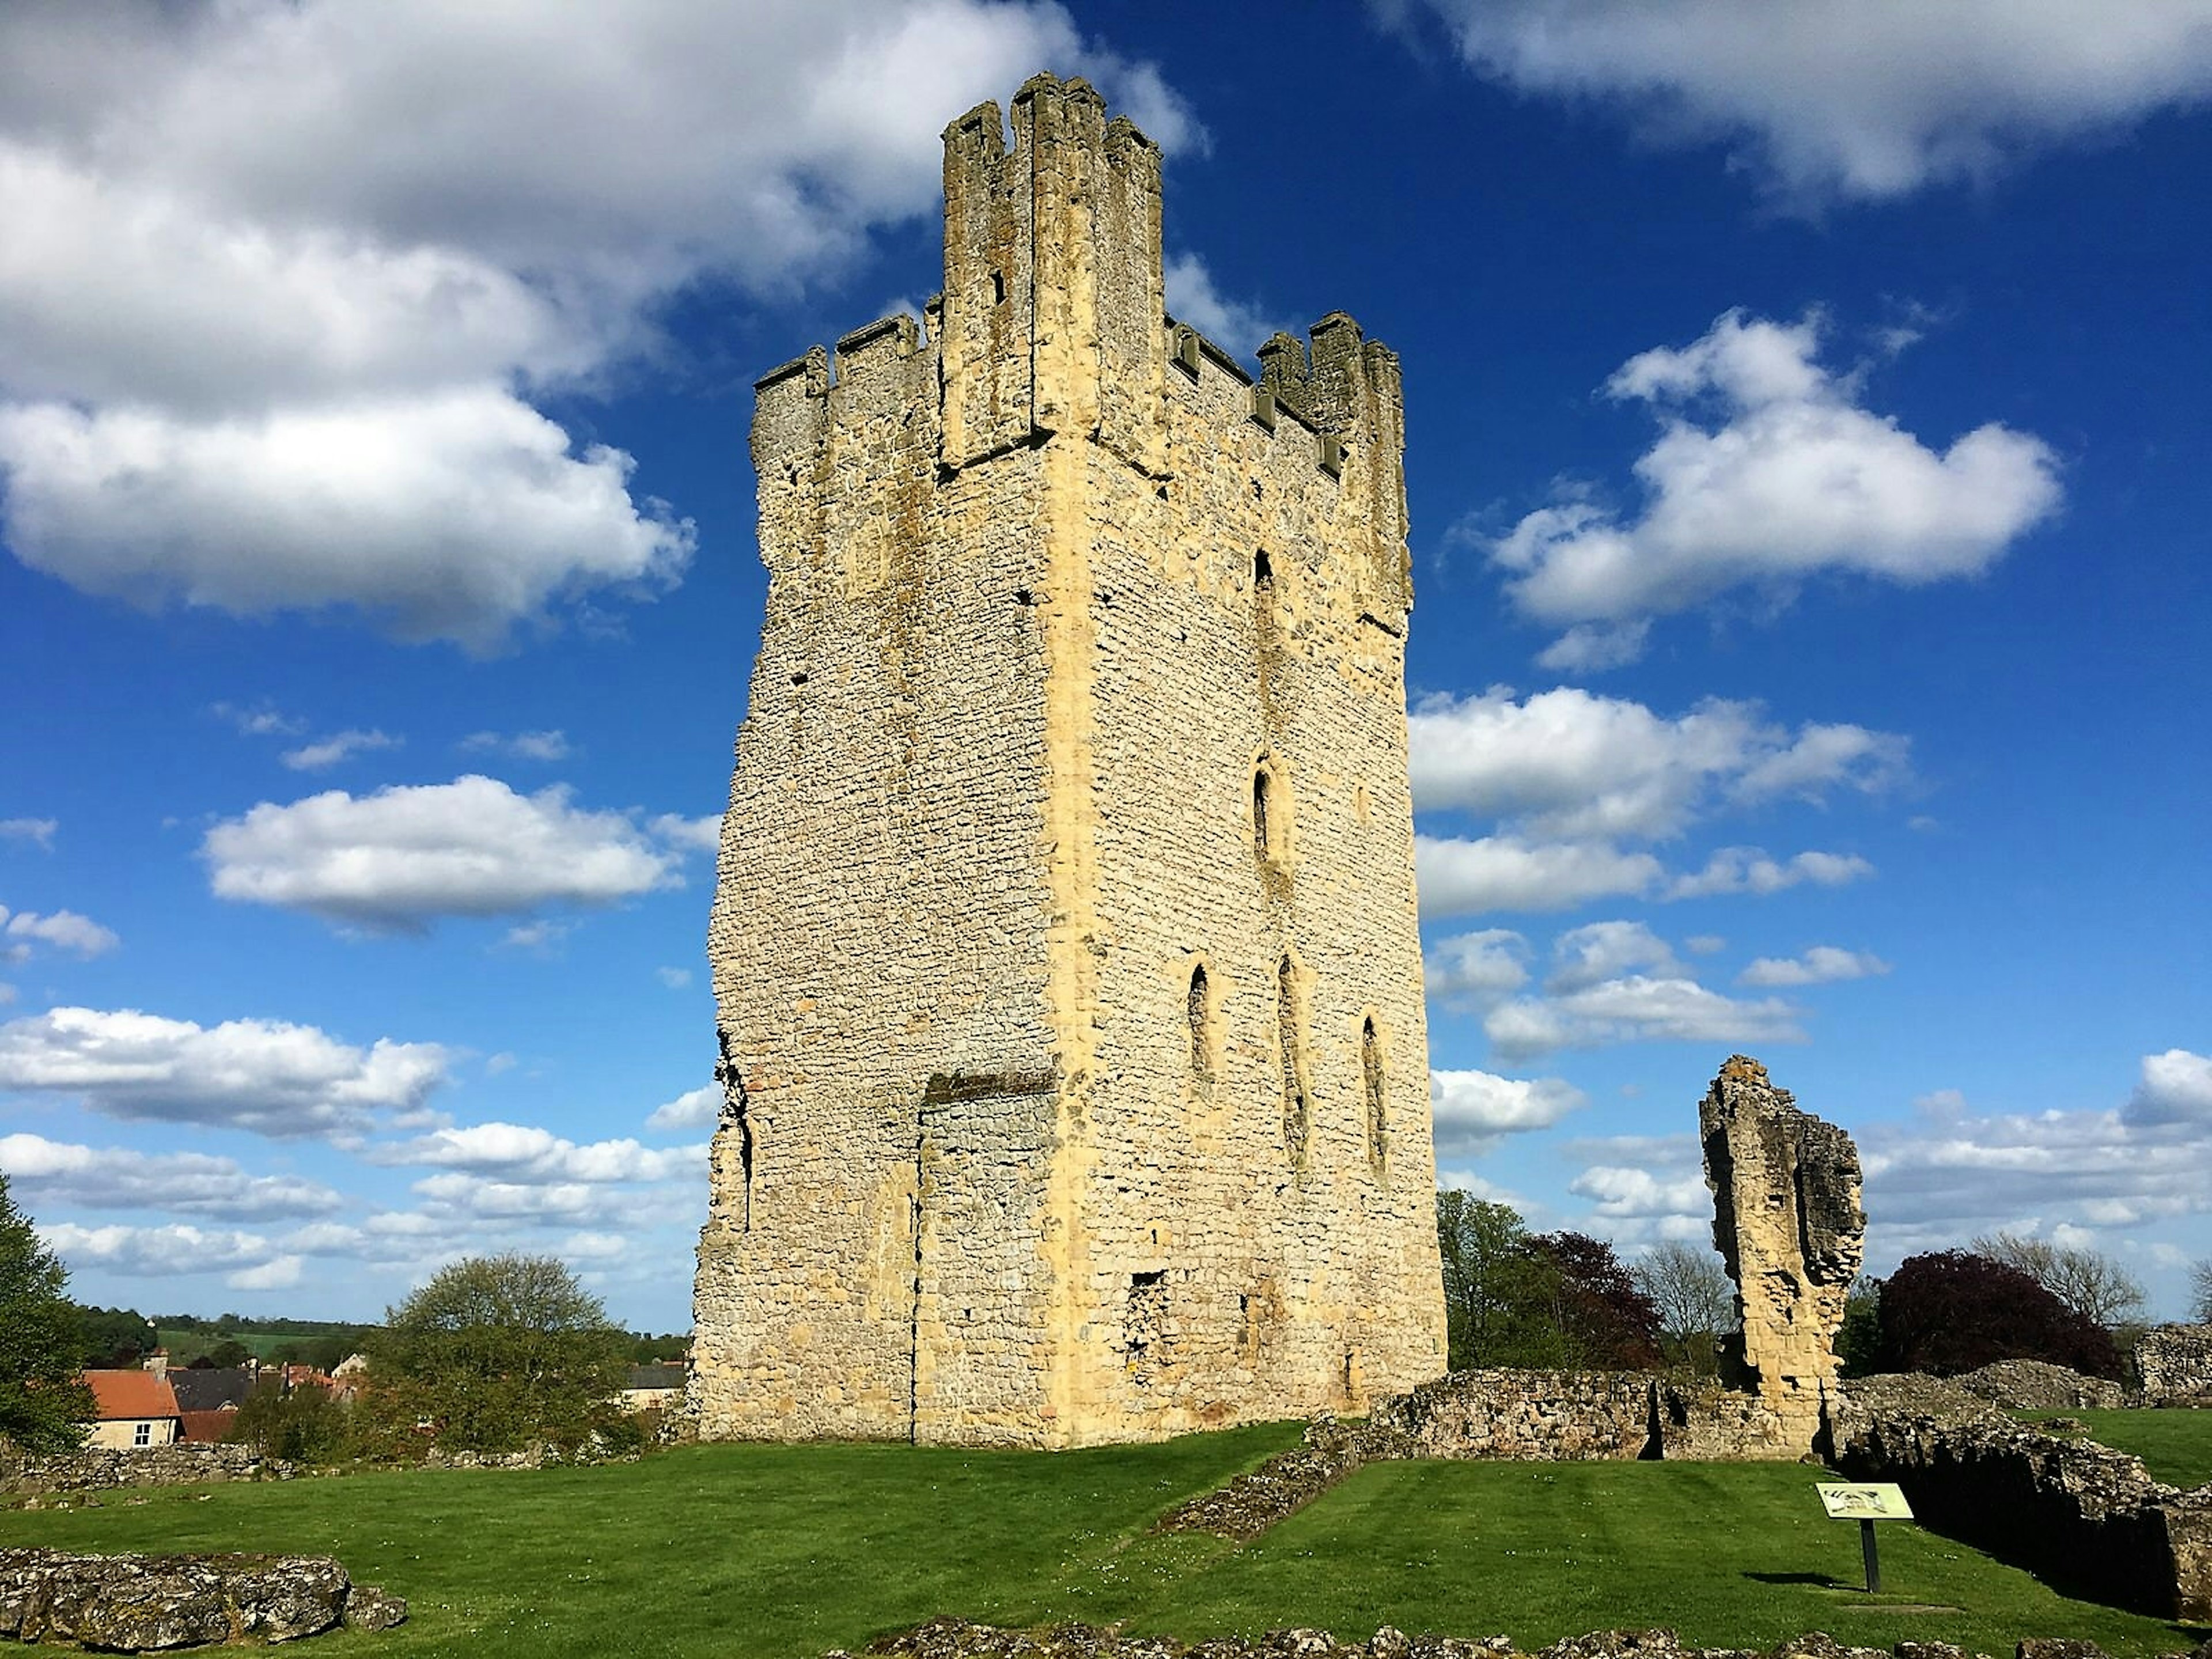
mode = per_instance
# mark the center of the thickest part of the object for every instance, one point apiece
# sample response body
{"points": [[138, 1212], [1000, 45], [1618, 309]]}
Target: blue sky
{"points": [[1806, 425]]}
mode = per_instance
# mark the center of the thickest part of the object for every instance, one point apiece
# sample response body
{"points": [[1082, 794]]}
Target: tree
{"points": [[1694, 1297], [1859, 1338], [1494, 1291], [2200, 1292], [2088, 1281], [498, 1352], [1954, 1311], [44, 1402], [1602, 1318]]}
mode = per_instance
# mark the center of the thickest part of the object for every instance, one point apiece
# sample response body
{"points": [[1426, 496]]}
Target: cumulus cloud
{"points": [[1472, 1110], [520, 745], [1472, 970], [265, 1076], [155, 1252], [2176, 1089], [1601, 950], [63, 929], [1568, 762], [403, 856], [1460, 877], [525, 1154], [1767, 473], [695, 1108], [700, 835], [1873, 100], [1235, 326], [39, 832], [1747, 870], [188, 1183], [1823, 964], [1581, 1011], [338, 746], [287, 287]]}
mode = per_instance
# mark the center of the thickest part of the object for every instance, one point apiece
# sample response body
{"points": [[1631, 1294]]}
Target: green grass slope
{"points": [[783, 1552], [2175, 1446]]}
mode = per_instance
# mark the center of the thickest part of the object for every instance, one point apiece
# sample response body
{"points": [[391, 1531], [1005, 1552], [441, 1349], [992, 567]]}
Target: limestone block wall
{"points": [[2173, 1364], [1064, 945]]}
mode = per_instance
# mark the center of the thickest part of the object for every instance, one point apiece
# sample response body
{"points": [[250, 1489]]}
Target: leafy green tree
{"points": [[1858, 1339], [113, 1338], [498, 1352], [44, 1402], [301, 1425], [1494, 1291]]}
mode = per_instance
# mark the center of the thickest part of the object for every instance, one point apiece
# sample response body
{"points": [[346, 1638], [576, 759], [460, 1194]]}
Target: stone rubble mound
{"points": [[2034, 1385], [155, 1603], [956, 1639]]}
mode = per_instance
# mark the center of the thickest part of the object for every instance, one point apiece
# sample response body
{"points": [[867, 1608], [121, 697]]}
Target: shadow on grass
{"points": [[1818, 1580]]}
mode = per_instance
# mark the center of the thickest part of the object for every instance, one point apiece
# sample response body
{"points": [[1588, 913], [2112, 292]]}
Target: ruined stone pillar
{"points": [[1787, 1220]]}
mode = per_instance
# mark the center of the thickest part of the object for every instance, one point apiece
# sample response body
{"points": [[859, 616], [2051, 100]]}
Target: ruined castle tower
{"points": [[1064, 951], [1787, 1221]]}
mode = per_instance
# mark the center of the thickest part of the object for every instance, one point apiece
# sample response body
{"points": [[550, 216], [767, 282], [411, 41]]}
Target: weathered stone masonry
{"points": [[1065, 949]]}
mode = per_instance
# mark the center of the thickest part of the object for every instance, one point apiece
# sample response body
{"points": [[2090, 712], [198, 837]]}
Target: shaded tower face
{"points": [[1064, 955]]}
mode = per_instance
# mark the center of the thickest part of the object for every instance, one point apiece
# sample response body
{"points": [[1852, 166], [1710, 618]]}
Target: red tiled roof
{"points": [[127, 1395], [208, 1428]]}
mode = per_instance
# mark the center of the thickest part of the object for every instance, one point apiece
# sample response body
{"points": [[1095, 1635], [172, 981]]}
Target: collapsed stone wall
{"points": [[2034, 1385], [98, 1468], [2082, 1514], [155, 1603], [2173, 1365]]}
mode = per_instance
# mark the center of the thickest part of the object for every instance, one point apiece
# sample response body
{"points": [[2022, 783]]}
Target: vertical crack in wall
{"points": [[736, 1111], [1370, 1062], [914, 1307], [1297, 1112]]}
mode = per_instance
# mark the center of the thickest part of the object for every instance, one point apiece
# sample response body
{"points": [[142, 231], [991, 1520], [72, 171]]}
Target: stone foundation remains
{"points": [[1066, 958], [1787, 1221], [2034, 1385], [2082, 1515], [2173, 1365], [151, 1603], [104, 1469]]}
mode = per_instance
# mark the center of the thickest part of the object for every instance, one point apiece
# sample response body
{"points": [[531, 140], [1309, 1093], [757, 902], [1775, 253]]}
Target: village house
{"points": [[134, 1410]]}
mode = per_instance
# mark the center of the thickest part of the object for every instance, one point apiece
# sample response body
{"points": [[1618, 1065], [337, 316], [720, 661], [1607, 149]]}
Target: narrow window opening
{"points": [[1263, 571], [1198, 1009], [1261, 842], [1143, 1330], [998, 288], [1297, 1111], [1370, 1060], [737, 1111]]}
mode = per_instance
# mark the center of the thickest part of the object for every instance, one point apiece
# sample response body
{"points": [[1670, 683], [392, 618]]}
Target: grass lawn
{"points": [[783, 1552], [2175, 1446]]}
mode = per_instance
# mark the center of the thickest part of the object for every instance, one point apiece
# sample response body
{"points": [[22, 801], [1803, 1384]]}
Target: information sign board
{"points": [[1869, 1503]]}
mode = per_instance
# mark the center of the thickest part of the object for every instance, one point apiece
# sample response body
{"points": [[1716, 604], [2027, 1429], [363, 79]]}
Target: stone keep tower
{"points": [[1064, 950]]}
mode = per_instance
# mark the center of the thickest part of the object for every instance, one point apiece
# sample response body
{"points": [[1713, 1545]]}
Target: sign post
{"points": [[1866, 1506]]}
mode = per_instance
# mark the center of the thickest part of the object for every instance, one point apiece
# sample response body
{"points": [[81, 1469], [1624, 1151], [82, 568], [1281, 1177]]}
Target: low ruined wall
{"points": [[1549, 1417], [100, 1469], [2173, 1365], [2033, 1385], [151, 1603], [2081, 1514]]}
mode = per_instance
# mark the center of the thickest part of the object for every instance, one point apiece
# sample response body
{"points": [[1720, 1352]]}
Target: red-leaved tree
{"points": [[1953, 1311]]}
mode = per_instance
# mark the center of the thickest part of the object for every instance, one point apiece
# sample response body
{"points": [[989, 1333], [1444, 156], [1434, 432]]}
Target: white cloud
{"points": [[1635, 1008], [1458, 877], [338, 746], [1569, 764], [39, 832], [702, 835], [540, 937], [277, 1273], [1747, 870], [1793, 480], [1823, 964], [674, 978], [2176, 1089], [1235, 326], [265, 1076], [1472, 970], [1871, 99], [451, 515], [521, 745], [155, 1252], [524, 1154], [1623, 1192], [1705, 945], [186, 1183], [1602, 950], [695, 1108], [285, 282], [63, 929], [1472, 1110], [261, 721], [403, 856]]}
